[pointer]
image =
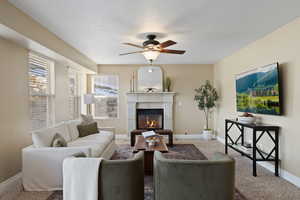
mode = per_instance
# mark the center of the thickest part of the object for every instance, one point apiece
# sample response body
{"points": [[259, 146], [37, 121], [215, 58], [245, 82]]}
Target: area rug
{"points": [[178, 151]]}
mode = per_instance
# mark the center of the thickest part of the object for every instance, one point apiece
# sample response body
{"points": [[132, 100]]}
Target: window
{"points": [[74, 94], [41, 91], [106, 91]]}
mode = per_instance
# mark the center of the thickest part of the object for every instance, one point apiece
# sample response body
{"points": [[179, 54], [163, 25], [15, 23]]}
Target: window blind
{"points": [[41, 91]]}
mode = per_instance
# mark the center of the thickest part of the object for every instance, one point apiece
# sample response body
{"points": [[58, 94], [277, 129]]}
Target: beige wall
{"points": [[281, 46], [14, 107], [61, 92], [15, 19], [14, 117], [185, 78]]}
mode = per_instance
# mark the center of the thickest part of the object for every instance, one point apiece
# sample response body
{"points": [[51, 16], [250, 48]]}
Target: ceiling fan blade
{"points": [[123, 54], [167, 44], [172, 51], [134, 45]]}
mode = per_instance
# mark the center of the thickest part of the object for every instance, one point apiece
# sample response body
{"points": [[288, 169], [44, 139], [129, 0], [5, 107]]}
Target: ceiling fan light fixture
{"points": [[151, 48], [151, 55]]}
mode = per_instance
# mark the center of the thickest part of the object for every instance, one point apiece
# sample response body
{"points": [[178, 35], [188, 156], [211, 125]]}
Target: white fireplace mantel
{"points": [[150, 100]]}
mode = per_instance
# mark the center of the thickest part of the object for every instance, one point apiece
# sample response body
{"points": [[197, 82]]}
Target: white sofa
{"points": [[42, 164]]}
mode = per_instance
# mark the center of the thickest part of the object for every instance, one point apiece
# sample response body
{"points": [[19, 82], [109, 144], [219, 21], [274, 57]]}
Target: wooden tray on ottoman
{"points": [[141, 145], [167, 132]]}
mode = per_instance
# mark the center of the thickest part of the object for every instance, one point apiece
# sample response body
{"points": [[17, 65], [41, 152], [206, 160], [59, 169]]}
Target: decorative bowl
{"points": [[246, 120], [152, 141]]}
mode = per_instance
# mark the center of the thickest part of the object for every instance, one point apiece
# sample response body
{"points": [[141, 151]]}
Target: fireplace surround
{"points": [[152, 100]]}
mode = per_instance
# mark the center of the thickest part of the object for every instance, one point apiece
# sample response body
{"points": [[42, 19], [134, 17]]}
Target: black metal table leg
{"points": [[226, 139], [276, 153], [132, 139], [242, 138], [170, 139], [254, 153]]}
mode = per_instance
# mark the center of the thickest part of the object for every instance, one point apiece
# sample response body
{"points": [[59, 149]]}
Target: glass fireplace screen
{"points": [[150, 119]]}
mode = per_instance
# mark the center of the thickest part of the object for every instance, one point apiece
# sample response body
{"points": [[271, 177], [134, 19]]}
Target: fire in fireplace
{"points": [[150, 119]]}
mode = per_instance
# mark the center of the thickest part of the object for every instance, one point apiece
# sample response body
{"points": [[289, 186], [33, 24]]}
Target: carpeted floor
{"points": [[178, 151], [263, 187]]}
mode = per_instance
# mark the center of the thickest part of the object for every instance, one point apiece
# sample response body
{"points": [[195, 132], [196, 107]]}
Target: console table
{"points": [[255, 154]]}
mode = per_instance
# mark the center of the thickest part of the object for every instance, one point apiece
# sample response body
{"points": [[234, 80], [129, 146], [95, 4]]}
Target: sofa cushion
{"points": [[99, 138], [63, 130], [97, 142], [73, 130], [86, 119], [58, 141], [87, 129], [96, 148], [44, 137]]}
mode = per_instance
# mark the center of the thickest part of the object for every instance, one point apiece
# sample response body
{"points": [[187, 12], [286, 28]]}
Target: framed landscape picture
{"points": [[106, 92], [258, 90]]}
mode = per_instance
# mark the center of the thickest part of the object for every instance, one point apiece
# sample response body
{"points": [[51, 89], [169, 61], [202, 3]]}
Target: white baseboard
{"points": [[122, 136], [175, 136], [222, 140], [186, 137], [283, 173], [11, 188]]}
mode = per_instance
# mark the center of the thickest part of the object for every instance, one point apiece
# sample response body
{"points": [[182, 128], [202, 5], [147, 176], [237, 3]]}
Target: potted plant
{"points": [[206, 97]]}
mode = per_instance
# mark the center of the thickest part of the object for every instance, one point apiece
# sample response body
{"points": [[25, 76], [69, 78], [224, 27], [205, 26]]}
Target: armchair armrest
{"points": [[218, 156], [115, 182], [42, 167], [111, 129], [198, 178], [53, 153]]}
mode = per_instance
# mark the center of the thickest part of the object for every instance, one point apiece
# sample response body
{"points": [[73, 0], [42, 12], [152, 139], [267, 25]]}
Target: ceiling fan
{"points": [[151, 48]]}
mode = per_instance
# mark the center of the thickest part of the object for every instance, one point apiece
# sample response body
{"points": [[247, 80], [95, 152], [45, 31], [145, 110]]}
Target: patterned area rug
{"points": [[178, 151]]}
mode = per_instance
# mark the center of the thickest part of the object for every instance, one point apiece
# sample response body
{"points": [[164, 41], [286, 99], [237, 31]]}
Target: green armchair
{"points": [[122, 179], [194, 179]]}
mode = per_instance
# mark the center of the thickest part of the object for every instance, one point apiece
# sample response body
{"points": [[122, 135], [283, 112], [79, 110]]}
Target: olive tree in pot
{"points": [[206, 97]]}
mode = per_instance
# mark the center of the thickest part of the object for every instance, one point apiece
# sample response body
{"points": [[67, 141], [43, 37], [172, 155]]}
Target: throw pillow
{"points": [[79, 155], [86, 119], [89, 129], [58, 141]]}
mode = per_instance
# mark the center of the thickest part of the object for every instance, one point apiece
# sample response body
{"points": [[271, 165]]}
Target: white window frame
{"points": [[95, 96], [77, 75], [50, 91]]}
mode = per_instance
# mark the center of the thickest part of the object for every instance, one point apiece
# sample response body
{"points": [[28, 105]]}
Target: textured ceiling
{"points": [[207, 29]]}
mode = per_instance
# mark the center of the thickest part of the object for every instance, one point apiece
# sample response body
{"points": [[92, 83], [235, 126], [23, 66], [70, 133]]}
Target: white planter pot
{"points": [[207, 134]]}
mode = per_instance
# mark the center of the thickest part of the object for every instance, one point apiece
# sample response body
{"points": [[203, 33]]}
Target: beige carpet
{"points": [[263, 187]]}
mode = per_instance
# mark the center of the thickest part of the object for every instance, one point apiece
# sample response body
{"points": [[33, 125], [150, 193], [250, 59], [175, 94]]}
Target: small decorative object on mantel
{"points": [[150, 89], [168, 84], [246, 118], [206, 97]]}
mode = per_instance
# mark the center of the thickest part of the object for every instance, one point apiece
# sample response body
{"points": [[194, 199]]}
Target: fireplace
{"points": [[150, 119]]}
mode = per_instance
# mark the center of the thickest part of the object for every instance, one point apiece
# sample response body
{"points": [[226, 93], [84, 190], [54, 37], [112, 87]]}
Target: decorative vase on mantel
{"points": [[132, 82], [168, 84]]}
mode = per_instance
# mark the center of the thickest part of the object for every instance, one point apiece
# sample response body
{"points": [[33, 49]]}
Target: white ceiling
{"points": [[207, 29]]}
